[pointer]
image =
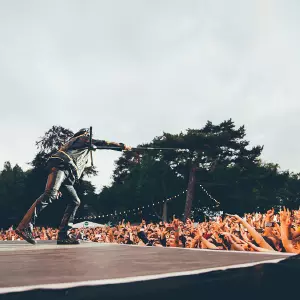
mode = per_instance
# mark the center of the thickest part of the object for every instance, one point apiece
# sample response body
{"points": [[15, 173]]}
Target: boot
{"points": [[67, 240], [26, 234]]}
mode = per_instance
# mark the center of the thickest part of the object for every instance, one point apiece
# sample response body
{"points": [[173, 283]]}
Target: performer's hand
{"points": [[59, 194], [128, 148]]}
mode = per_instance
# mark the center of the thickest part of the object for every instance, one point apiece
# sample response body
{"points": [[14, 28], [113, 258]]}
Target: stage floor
{"points": [[46, 265]]}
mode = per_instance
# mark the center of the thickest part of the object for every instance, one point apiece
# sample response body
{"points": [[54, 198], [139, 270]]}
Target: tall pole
{"points": [[190, 192], [165, 212], [91, 142]]}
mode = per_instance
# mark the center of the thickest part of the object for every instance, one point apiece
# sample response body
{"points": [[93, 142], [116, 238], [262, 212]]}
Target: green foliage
{"points": [[12, 188], [227, 166], [54, 138]]}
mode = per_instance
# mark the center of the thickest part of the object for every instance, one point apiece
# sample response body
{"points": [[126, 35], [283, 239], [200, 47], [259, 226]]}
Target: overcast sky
{"points": [[133, 69]]}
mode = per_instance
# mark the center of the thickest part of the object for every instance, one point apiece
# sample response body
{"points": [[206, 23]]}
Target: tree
{"points": [[12, 186], [223, 161], [47, 145], [212, 148], [140, 180], [225, 165], [52, 140]]}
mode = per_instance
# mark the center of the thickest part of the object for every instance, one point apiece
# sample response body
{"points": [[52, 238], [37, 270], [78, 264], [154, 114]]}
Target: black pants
{"points": [[56, 179]]}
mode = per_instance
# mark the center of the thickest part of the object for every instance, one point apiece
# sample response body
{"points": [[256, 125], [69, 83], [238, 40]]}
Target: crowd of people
{"points": [[253, 232]]}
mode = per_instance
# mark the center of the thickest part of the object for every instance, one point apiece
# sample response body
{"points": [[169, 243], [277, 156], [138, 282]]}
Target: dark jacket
{"points": [[74, 156]]}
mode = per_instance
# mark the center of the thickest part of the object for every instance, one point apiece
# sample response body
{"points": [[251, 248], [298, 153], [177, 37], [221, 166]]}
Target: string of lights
{"points": [[133, 211], [139, 210], [202, 210], [210, 196]]}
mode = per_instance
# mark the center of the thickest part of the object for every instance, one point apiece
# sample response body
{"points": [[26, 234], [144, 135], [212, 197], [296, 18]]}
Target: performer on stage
{"points": [[65, 168]]}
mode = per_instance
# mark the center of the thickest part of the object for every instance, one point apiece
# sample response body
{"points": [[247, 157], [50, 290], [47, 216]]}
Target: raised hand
{"points": [[199, 231], [176, 223], [284, 215], [236, 218], [270, 215]]}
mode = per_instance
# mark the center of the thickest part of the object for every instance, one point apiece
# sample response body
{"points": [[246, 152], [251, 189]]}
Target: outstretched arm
{"points": [[256, 236], [102, 143], [285, 226]]}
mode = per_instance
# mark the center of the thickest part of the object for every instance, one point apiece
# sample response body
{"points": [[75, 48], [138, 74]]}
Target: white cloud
{"points": [[133, 69]]}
